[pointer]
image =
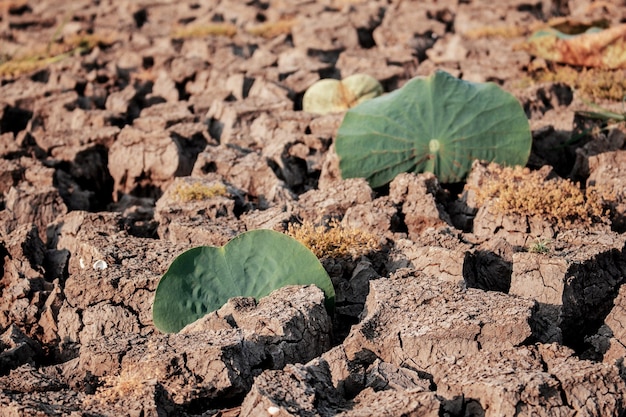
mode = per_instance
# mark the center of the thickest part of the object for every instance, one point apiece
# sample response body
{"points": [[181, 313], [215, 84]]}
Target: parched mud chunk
{"points": [[542, 278], [234, 166], [99, 301], [25, 294], [296, 390], [422, 20], [215, 358], [315, 205], [379, 216], [607, 172], [325, 126], [72, 233], [413, 317], [82, 175], [604, 147], [27, 204], [200, 365], [417, 195], [27, 378], [326, 32], [330, 169], [298, 61], [163, 115], [368, 61], [518, 230], [230, 122], [124, 102], [17, 349], [198, 231], [347, 375], [208, 87], [65, 144], [52, 114], [139, 160], [52, 403], [294, 154], [11, 173], [103, 310], [576, 283], [386, 376], [350, 280], [546, 380], [482, 49], [307, 390], [24, 253], [104, 319], [589, 387], [164, 88], [615, 326], [390, 403], [295, 331], [275, 218], [437, 251], [89, 237], [199, 211]]}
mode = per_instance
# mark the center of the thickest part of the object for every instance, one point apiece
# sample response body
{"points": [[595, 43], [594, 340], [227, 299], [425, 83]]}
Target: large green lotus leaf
{"points": [[438, 124], [253, 264]]}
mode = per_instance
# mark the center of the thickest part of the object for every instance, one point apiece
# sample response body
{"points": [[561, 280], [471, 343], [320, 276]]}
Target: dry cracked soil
{"points": [[109, 108]]}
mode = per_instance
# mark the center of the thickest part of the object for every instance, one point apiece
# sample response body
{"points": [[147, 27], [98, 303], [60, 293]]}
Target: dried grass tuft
{"points": [[520, 191], [272, 29], [333, 240], [198, 191], [203, 30], [594, 83]]}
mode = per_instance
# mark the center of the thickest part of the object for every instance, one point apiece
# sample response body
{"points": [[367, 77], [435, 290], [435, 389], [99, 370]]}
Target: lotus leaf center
{"points": [[433, 146]]}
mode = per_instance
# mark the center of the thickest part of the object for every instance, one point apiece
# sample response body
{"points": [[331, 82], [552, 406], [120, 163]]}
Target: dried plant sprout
{"points": [[132, 381]]}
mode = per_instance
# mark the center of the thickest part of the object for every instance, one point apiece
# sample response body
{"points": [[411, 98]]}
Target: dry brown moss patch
{"points": [[198, 191], [333, 240], [593, 83], [520, 191]]}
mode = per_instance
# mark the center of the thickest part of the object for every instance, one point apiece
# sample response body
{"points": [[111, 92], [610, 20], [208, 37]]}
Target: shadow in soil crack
{"points": [[588, 296]]}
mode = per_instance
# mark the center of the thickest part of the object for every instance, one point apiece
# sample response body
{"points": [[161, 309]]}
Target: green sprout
{"points": [[541, 246]]}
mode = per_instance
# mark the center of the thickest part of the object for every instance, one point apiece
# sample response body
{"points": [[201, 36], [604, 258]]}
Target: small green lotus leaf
{"points": [[438, 124], [324, 96], [330, 95], [253, 264]]}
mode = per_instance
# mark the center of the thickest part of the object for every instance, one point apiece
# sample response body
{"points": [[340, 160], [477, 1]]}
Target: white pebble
{"points": [[100, 265], [273, 410]]}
